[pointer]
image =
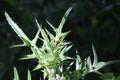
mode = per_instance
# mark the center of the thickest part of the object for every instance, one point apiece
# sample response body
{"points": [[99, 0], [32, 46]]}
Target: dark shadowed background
{"points": [[91, 21]]}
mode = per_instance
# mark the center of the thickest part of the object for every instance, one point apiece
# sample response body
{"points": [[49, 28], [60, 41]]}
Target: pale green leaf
{"points": [[89, 63], [63, 35], [78, 60], [95, 56], [37, 67], [15, 27], [69, 66], [51, 25], [103, 64], [38, 24], [26, 42], [50, 35], [36, 51], [64, 19], [19, 45], [28, 75], [64, 50], [43, 33], [34, 41], [31, 56], [16, 76], [45, 73], [99, 66]]}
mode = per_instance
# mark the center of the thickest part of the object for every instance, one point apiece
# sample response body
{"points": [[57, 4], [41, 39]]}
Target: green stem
{"points": [[51, 71], [51, 78]]}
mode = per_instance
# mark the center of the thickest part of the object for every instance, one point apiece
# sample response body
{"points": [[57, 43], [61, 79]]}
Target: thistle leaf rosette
{"points": [[52, 51]]}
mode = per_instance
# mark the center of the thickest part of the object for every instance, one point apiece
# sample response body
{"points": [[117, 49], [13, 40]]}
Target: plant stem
{"points": [[51, 72], [51, 78]]}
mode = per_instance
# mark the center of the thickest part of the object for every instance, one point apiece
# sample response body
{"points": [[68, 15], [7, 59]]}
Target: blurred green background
{"points": [[91, 21]]}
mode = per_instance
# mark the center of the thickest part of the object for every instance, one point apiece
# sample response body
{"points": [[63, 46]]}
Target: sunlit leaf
{"points": [[89, 63], [36, 38], [15, 27], [31, 56], [78, 60], [16, 76], [51, 25], [64, 19], [37, 67], [103, 64], [29, 75], [95, 56]]}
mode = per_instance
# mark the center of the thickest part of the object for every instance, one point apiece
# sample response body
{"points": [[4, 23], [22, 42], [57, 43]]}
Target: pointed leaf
{"points": [[50, 35], [26, 42], [19, 45], [15, 27], [29, 75], [41, 30], [34, 41], [37, 67], [64, 19], [95, 56], [43, 33], [16, 77], [99, 66], [38, 24], [63, 35], [89, 63], [69, 66], [103, 64], [65, 49], [50, 25], [31, 56], [78, 60]]}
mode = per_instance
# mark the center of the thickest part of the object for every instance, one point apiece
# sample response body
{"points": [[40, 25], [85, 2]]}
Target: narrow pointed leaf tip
{"points": [[29, 75], [64, 19], [15, 27], [50, 25], [30, 56], [39, 27], [19, 45], [20, 33], [95, 62], [34, 41], [16, 77]]}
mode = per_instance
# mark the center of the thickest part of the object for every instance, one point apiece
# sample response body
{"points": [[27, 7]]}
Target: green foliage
{"points": [[29, 75], [16, 76], [51, 55], [109, 76], [19, 32], [85, 67]]}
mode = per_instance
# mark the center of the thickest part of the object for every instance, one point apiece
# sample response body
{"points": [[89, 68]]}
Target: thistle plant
{"points": [[51, 54]]}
